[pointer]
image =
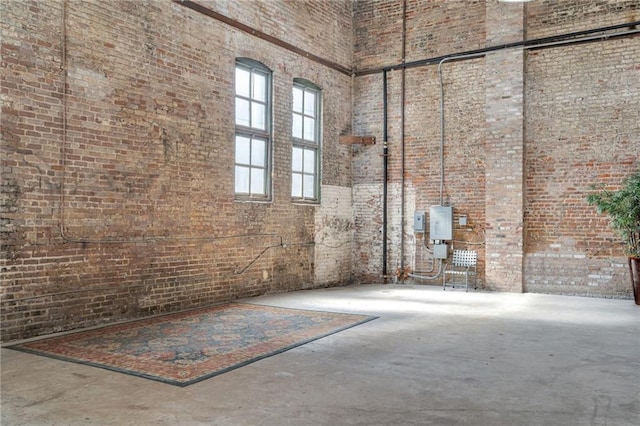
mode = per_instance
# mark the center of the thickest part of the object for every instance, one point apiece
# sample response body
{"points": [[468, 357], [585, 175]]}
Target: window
{"points": [[253, 130], [305, 164]]}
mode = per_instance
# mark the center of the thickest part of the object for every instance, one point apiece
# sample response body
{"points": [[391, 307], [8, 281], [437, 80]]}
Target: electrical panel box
{"points": [[419, 222], [441, 223], [440, 251]]}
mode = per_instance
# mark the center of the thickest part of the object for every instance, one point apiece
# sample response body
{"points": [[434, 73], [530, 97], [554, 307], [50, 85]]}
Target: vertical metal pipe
{"points": [[402, 124], [65, 103], [385, 151]]}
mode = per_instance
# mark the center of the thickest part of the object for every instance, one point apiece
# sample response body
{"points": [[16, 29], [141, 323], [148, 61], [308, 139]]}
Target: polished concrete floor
{"points": [[432, 357]]}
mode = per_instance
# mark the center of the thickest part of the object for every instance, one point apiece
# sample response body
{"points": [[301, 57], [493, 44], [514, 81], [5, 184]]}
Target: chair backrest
{"points": [[465, 257]]}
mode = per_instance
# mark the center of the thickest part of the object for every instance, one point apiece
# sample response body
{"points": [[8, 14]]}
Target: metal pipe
{"points": [[432, 277], [402, 124], [63, 148], [470, 55], [385, 166], [433, 259]]}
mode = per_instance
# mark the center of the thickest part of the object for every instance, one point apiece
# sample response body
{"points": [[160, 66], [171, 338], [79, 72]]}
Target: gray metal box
{"points": [[440, 251], [441, 223], [419, 222]]}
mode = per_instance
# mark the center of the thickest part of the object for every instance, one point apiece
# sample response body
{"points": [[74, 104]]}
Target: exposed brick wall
{"points": [[126, 208], [367, 180], [433, 28], [582, 128], [322, 27], [549, 17], [436, 28], [143, 186], [464, 180], [367, 256], [377, 28], [334, 230], [505, 161], [504, 149], [576, 274], [526, 133]]}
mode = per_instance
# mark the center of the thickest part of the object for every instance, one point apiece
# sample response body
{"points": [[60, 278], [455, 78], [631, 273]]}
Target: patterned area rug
{"points": [[187, 347]]}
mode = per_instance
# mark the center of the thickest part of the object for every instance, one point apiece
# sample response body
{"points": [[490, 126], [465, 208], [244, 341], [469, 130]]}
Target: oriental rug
{"points": [[187, 347]]}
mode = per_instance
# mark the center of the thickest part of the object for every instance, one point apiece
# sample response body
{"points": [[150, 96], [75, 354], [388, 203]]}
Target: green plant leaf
{"points": [[623, 208]]}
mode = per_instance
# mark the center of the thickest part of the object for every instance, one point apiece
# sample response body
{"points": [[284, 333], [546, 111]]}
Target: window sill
{"points": [[301, 202], [252, 200]]}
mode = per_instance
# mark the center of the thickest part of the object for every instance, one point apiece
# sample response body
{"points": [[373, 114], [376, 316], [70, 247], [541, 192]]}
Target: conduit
{"points": [[432, 277]]}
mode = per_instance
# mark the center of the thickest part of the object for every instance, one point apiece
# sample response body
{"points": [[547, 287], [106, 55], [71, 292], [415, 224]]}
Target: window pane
{"points": [[296, 185], [297, 99], [258, 149], [242, 82], [259, 87], [297, 160], [257, 181], [242, 112], [258, 118], [242, 179], [243, 146], [309, 129], [309, 187], [297, 126], [309, 161], [310, 103]]}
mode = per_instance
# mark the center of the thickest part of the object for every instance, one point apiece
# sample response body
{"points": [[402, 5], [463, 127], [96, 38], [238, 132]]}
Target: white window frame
{"points": [[253, 134], [306, 142]]}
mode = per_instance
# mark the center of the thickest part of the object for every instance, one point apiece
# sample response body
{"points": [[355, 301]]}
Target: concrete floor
{"points": [[432, 358]]}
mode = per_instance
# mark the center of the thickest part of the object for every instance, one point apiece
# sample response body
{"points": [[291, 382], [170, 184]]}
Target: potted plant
{"points": [[623, 208]]}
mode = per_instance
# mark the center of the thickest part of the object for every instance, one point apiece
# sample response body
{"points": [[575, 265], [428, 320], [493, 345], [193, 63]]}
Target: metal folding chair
{"points": [[463, 263]]}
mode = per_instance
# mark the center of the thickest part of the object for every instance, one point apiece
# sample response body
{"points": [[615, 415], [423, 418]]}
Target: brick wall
{"points": [[334, 230], [322, 27], [117, 193], [126, 208], [432, 28], [367, 180], [548, 17], [582, 128], [526, 134], [504, 149]]}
